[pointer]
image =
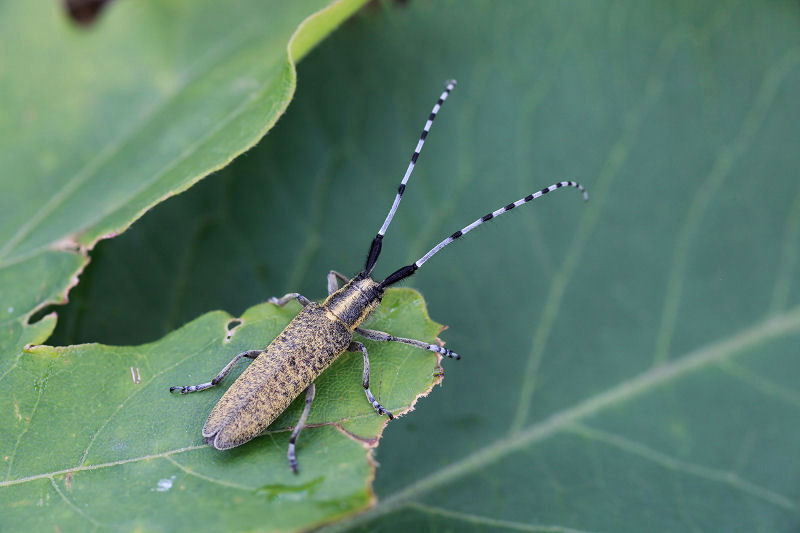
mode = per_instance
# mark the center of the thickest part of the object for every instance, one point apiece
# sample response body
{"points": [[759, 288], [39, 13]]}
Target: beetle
{"points": [[320, 333]]}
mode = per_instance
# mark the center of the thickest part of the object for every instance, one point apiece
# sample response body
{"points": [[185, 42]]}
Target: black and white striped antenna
{"points": [[375, 248], [410, 269]]}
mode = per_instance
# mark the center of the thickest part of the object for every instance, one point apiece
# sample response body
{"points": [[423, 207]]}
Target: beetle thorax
{"points": [[354, 302]]}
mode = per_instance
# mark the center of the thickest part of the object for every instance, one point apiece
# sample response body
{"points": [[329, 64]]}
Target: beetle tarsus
{"points": [[381, 409], [292, 459], [286, 298], [382, 336], [450, 353], [250, 354], [186, 389], [310, 391], [358, 346]]}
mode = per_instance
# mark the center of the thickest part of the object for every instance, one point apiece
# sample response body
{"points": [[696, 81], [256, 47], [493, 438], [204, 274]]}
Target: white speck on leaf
{"points": [[10, 309], [164, 484]]}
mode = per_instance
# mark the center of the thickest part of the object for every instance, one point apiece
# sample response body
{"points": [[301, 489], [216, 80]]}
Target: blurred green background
{"points": [[680, 118]]}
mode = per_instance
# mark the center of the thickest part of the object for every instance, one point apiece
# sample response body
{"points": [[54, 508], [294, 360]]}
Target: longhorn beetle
{"points": [[319, 334]]}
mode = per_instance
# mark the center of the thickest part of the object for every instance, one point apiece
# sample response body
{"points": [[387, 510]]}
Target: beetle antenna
{"points": [[375, 248], [410, 269]]}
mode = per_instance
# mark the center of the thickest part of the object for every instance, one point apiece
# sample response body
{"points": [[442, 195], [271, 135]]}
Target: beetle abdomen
{"points": [[306, 347]]}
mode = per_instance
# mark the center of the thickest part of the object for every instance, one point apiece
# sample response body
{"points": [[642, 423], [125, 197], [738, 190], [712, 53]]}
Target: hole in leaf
{"points": [[232, 326]]}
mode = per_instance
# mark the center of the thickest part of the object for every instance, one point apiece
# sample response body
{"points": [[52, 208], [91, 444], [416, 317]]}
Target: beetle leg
{"points": [[299, 427], [333, 285], [354, 347], [375, 335], [252, 354], [286, 298]]}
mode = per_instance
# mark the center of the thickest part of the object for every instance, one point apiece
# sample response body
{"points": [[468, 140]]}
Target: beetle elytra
{"points": [[320, 333]]}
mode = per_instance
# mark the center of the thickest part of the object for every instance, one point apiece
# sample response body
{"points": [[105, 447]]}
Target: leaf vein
{"points": [[220, 482], [82, 468], [617, 156], [85, 468], [722, 167], [40, 392], [775, 327], [712, 474], [72, 505], [491, 522], [135, 392], [788, 260], [761, 384]]}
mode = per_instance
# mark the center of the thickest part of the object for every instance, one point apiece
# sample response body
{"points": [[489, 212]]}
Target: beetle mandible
{"points": [[320, 333]]}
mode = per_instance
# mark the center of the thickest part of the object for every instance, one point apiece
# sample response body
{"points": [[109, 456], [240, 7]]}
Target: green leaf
{"points": [[629, 364], [99, 125], [85, 424]]}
